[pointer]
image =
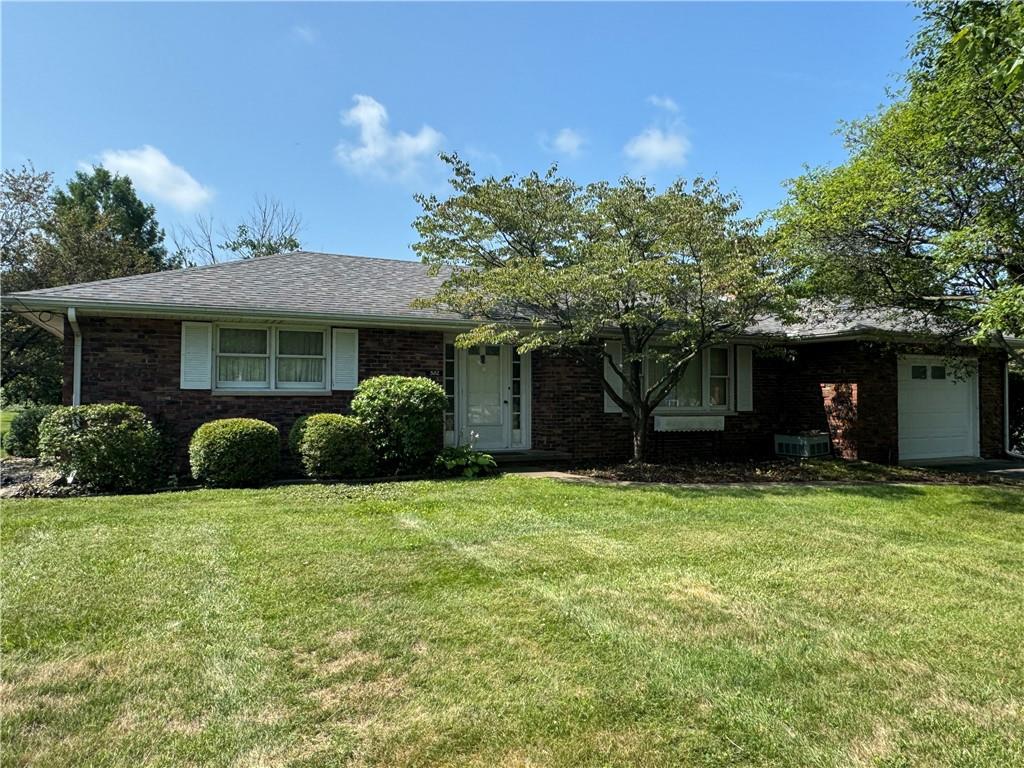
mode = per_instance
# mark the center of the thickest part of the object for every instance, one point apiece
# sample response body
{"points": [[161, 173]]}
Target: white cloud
{"points": [[656, 148], [154, 174], [663, 102], [568, 142], [305, 33], [379, 152]]}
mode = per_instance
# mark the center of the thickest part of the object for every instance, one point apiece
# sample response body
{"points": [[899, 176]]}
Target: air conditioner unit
{"points": [[805, 446]]}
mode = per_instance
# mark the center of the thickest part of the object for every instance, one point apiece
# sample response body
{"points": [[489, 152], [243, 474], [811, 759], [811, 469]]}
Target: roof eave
{"points": [[190, 311]]}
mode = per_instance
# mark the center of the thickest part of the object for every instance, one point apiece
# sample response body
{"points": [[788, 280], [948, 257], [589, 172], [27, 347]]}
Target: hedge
{"points": [[108, 447], [332, 446], [23, 437], [404, 419], [235, 453]]}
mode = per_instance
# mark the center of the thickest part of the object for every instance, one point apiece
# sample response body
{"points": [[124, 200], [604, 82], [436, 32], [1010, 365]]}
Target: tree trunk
{"points": [[640, 440]]}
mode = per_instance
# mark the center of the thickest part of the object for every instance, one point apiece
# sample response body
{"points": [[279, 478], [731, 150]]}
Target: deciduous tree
{"points": [[546, 264], [269, 227], [928, 211]]}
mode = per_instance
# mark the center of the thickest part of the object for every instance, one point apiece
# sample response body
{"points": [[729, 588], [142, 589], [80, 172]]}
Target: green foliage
{"points": [[295, 436], [235, 453], [22, 439], [268, 228], [927, 210], [989, 41], [32, 362], [95, 229], [99, 201], [545, 263], [248, 243], [463, 461], [107, 447], [30, 366], [333, 446], [404, 419]]}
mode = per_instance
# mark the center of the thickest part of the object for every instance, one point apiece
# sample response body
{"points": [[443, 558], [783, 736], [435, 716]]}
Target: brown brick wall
{"points": [[138, 361], [991, 382], [847, 388], [568, 415]]}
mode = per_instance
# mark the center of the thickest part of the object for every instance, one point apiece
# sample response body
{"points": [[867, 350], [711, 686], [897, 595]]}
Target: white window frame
{"points": [[292, 386], [705, 385], [234, 386], [271, 385]]}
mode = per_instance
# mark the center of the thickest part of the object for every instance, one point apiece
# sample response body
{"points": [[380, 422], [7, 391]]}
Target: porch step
{"points": [[530, 458]]}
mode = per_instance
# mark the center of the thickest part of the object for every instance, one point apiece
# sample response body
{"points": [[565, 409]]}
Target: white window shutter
{"points": [[744, 378], [196, 355], [613, 348], [345, 359]]}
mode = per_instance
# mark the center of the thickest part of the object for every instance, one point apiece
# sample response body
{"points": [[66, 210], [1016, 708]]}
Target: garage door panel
{"points": [[937, 416]]}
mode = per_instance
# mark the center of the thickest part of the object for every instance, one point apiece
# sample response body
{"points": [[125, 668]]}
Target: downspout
{"points": [[1006, 413], [76, 376]]}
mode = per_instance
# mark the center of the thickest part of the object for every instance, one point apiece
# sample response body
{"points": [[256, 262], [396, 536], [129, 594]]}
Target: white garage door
{"points": [[938, 408]]}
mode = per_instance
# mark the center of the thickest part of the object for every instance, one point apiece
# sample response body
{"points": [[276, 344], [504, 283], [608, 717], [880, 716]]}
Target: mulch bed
{"points": [[781, 471], [26, 478]]}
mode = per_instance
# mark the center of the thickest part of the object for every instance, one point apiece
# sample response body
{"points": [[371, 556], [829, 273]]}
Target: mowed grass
{"points": [[516, 622]]}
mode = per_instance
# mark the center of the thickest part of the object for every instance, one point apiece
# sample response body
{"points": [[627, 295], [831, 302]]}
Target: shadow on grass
{"points": [[992, 498], [880, 491]]}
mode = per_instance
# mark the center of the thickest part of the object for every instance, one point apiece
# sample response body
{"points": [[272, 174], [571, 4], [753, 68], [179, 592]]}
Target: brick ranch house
{"points": [[281, 336]]}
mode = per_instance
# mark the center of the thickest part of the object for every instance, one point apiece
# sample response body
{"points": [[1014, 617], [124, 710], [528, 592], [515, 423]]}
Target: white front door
{"points": [[938, 408], [495, 398]]}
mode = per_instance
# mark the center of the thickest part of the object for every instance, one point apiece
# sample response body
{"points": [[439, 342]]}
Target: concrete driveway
{"points": [[1010, 468]]}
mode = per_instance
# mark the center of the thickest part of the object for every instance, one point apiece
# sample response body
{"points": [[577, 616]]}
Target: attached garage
{"points": [[938, 408]]}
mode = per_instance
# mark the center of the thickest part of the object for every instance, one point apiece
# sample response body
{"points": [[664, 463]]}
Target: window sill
{"points": [[269, 392], [699, 412]]}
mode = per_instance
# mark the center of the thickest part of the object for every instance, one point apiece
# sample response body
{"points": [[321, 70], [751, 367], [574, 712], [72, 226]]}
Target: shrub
{"points": [[295, 436], [235, 453], [23, 437], [463, 461], [335, 446], [403, 417], [108, 447]]}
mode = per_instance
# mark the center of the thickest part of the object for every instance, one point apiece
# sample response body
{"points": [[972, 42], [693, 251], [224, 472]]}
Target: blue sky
{"points": [[339, 110]]}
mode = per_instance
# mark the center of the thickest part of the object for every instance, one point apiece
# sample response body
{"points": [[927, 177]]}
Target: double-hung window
{"points": [[255, 358], [243, 358], [706, 384], [301, 359], [688, 391]]}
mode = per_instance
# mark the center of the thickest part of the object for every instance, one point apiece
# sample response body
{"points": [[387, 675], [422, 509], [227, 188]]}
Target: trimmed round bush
{"points": [[107, 447], [23, 437], [404, 419], [335, 446], [235, 453]]}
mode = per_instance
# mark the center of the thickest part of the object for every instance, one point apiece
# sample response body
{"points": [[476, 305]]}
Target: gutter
{"points": [[76, 377], [206, 313]]}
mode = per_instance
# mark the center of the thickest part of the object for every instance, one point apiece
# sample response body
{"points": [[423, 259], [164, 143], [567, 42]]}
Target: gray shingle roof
{"points": [[328, 285], [301, 282]]}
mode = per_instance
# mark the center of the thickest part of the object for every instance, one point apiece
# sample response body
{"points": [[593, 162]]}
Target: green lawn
{"points": [[516, 622]]}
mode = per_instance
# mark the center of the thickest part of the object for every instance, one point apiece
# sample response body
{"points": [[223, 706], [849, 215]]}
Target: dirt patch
{"points": [[873, 748], [27, 478], [358, 695]]}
